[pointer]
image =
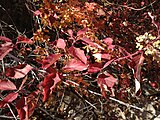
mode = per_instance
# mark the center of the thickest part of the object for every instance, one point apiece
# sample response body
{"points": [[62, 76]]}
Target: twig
{"points": [[52, 116], [126, 104], [120, 102], [12, 111], [7, 117]]}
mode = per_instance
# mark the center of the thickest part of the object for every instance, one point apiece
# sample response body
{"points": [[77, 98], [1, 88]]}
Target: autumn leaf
{"points": [[106, 81], [61, 43], [8, 99], [26, 105], [5, 39], [19, 71], [37, 12], [22, 108], [78, 53], [82, 31], [139, 62], [75, 64], [56, 80], [22, 39], [7, 85], [47, 84], [93, 68], [5, 47], [109, 42], [51, 59]]}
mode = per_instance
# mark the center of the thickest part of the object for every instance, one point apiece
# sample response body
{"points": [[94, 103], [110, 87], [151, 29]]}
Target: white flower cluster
{"points": [[149, 49], [143, 40]]}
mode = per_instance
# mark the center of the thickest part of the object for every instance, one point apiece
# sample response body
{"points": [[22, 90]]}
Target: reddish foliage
{"points": [[8, 99], [5, 47], [19, 71], [22, 39], [86, 47], [7, 85], [51, 59]]}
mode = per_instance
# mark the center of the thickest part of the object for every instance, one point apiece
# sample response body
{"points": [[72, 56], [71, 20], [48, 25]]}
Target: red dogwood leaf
{"points": [[78, 53], [7, 85], [5, 39], [139, 62], [37, 12], [109, 41], [47, 84], [106, 82], [22, 39], [56, 80], [107, 79], [82, 31], [25, 106], [90, 42], [8, 99], [5, 47], [19, 71], [61, 43], [70, 32], [75, 64], [51, 59], [93, 68], [22, 108]]}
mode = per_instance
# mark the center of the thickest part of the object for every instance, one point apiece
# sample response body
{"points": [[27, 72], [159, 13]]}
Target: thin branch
{"points": [[7, 117], [126, 104], [12, 111]]}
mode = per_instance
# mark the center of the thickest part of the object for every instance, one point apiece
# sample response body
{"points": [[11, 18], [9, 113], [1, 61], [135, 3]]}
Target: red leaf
{"points": [[8, 99], [139, 62], [5, 39], [47, 62], [75, 64], [106, 82], [90, 42], [108, 63], [47, 84], [25, 106], [22, 39], [70, 32], [32, 102], [19, 71], [78, 53], [61, 43], [37, 12], [109, 41], [4, 51], [5, 47], [106, 79], [56, 80], [82, 31], [94, 67], [22, 109], [106, 56], [7, 85]]}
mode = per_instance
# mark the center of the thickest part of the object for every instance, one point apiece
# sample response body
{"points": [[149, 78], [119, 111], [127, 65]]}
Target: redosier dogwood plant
{"points": [[100, 52]]}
